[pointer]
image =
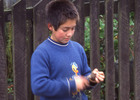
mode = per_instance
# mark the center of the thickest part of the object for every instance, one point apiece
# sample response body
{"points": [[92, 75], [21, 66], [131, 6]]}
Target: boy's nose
{"points": [[69, 34]]}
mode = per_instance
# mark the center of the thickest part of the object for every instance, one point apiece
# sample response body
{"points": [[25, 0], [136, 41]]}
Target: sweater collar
{"points": [[56, 43]]}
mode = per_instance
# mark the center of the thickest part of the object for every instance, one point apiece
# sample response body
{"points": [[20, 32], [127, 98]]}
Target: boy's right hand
{"points": [[81, 82]]}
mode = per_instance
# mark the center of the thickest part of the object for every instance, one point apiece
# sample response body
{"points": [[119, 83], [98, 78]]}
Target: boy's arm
{"points": [[41, 83], [87, 70]]}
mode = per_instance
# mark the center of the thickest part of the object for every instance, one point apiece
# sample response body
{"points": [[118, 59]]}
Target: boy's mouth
{"points": [[67, 39]]}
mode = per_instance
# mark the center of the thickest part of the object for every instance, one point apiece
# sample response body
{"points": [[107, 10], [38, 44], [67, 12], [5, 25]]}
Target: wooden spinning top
{"points": [[91, 77]]}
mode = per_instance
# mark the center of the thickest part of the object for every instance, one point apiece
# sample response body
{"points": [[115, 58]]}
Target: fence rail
{"points": [[29, 30]]}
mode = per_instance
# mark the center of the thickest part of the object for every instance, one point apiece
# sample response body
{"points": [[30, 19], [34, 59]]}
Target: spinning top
{"points": [[91, 77]]}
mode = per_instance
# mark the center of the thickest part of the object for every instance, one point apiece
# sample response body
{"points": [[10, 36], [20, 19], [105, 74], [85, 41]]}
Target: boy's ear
{"points": [[50, 27]]}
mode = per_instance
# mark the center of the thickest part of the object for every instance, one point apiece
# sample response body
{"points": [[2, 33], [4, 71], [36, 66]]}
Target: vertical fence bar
{"points": [[29, 3], [110, 70], [124, 88], [94, 42], [19, 45], [79, 32], [29, 51], [3, 65], [137, 51], [40, 29]]}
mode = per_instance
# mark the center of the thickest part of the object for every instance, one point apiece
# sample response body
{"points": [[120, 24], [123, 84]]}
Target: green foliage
{"points": [[9, 56], [10, 86], [87, 34], [8, 35], [131, 43], [87, 38]]}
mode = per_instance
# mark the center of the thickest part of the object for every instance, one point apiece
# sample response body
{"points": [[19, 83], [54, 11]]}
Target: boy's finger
{"points": [[95, 71], [96, 79], [101, 73], [101, 76], [100, 79]]}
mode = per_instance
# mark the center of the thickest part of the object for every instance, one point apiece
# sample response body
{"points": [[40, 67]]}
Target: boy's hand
{"points": [[81, 82], [99, 75]]}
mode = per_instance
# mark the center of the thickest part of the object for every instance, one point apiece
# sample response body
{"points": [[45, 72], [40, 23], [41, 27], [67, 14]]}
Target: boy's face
{"points": [[64, 33]]}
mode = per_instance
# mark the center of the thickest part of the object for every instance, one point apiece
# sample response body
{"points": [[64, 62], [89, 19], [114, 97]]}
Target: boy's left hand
{"points": [[99, 75]]}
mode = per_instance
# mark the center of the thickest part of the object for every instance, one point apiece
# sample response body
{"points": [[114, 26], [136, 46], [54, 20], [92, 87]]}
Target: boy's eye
{"points": [[65, 30]]}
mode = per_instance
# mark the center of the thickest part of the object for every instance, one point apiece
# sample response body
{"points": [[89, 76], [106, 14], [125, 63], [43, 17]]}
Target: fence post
{"points": [[110, 69], [124, 88], [94, 43], [41, 31], [19, 51], [79, 32], [137, 51], [3, 65], [29, 51]]}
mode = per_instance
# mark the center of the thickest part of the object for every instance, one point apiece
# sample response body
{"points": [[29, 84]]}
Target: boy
{"points": [[59, 68]]}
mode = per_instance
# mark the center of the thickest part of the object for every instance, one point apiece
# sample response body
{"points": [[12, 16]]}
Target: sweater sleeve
{"points": [[41, 83], [86, 69]]}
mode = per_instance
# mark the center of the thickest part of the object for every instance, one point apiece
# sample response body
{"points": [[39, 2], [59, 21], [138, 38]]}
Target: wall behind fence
{"points": [[29, 30]]}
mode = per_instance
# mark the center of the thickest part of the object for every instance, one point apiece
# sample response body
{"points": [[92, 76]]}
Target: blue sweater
{"points": [[53, 67]]}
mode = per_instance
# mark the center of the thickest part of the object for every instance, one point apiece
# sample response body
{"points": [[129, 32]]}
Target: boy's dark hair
{"points": [[58, 11]]}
